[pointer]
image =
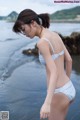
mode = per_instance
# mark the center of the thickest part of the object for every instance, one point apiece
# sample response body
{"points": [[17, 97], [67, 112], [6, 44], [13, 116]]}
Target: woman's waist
{"points": [[62, 80]]}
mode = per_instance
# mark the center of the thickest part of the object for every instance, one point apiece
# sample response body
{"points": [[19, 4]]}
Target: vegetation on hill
{"points": [[71, 13]]}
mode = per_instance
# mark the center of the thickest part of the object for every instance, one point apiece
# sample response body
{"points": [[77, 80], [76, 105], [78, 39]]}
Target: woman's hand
{"points": [[45, 111]]}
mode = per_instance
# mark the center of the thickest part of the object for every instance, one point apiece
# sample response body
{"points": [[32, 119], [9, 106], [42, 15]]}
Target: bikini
{"points": [[54, 56], [68, 89]]}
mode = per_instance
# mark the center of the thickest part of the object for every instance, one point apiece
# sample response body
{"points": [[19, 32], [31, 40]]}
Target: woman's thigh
{"points": [[59, 106]]}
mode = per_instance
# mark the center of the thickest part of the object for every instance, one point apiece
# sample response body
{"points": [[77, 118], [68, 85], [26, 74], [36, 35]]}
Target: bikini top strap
{"points": [[49, 43]]}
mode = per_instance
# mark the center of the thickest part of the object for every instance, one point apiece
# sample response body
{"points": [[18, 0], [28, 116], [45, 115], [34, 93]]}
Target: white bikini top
{"points": [[54, 55]]}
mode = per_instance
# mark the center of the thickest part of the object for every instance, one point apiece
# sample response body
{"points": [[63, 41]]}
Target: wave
{"points": [[9, 39]]}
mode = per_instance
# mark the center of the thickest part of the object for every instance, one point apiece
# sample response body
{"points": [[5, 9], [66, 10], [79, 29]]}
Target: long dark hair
{"points": [[26, 17]]}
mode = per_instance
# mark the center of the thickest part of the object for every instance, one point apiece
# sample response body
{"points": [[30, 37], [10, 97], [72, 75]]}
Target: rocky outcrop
{"points": [[71, 42], [33, 51]]}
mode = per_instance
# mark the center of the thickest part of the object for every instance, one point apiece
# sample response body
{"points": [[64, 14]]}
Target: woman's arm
{"points": [[48, 76], [67, 58], [68, 61], [50, 64]]}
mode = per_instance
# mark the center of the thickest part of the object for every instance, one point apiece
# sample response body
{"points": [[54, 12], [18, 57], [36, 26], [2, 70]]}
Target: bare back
{"points": [[58, 46]]}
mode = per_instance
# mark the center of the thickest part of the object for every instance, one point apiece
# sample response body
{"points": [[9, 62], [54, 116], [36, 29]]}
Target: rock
{"points": [[76, 40], [71, 42], [31, 51], [28, 52]]}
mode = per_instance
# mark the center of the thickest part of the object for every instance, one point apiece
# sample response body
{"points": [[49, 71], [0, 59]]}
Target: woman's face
{"points": [[28, 30]]}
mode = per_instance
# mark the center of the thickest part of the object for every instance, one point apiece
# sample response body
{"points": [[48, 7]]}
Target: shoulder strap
{"points": [[49, 43]]}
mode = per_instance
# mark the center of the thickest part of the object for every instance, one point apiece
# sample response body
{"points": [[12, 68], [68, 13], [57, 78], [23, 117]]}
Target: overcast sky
{"points": [[39, 6]]}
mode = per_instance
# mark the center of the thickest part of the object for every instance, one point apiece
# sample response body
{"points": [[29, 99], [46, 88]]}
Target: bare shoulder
{"points": [[57, 36], [42, 43], [43, 46]]}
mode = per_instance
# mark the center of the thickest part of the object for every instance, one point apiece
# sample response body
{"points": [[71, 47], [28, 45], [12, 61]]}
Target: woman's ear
{"points": [[33, 23]]}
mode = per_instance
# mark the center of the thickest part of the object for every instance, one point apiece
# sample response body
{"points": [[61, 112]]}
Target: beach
{"points": [[23, 78]]}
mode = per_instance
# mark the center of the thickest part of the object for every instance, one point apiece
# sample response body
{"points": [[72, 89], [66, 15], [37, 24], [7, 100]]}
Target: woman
{"points": [[52, 53]]}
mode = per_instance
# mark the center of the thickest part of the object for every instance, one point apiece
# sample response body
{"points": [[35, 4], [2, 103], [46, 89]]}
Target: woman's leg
{"points": [[59, 107]]}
